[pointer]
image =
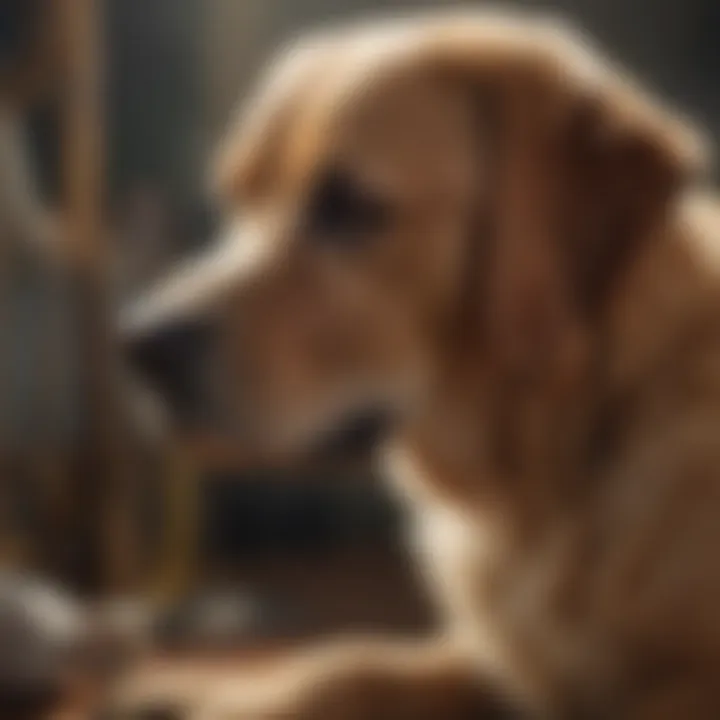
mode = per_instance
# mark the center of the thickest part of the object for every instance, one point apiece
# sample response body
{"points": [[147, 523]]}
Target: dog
{"points": [[478, 226]]}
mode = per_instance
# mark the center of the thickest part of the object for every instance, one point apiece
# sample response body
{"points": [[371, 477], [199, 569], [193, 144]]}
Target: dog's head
{"points": [[404, 193]]}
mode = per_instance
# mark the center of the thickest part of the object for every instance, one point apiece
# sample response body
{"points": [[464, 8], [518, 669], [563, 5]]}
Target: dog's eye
{"points": [[340, 210]]}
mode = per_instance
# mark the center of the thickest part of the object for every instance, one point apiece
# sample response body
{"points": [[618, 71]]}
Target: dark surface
{"points": [[268, 515]]}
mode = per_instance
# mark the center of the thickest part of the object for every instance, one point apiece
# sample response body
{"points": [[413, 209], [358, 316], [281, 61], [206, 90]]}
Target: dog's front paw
{"points": [[294, 693], [155, 695], [242, 702], [268, 695]]}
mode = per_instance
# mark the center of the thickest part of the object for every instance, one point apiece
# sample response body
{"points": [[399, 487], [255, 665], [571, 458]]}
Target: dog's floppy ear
{"points": [[585, 170], [624, 161]]}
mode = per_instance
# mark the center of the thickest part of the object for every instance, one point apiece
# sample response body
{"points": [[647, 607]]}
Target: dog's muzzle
{"points": [[173, 361]]}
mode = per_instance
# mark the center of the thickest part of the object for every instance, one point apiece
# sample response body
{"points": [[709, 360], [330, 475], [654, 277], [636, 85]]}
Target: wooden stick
{"points": [[101, 485], [83, 132]]}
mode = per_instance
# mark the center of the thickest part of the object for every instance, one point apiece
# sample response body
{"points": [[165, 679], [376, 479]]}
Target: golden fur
{"points": [[541, 316]]}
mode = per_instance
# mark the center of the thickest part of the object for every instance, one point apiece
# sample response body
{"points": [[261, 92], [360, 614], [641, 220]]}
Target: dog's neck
{"points": [[485, 442]]}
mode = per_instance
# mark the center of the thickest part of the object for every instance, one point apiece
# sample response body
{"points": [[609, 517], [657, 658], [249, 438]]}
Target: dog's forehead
{"points": [[315, 90]]}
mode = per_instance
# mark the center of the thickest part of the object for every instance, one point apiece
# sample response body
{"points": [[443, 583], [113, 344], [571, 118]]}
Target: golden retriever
{"points": [[476, 224]]}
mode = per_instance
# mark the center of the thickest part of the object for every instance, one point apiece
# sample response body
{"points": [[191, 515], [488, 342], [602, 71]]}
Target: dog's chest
{"points": [[503, 602]]}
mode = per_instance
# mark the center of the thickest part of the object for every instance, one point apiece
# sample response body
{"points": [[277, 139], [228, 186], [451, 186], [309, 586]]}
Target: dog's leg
{"points": [[362, 681], [365, 680]]}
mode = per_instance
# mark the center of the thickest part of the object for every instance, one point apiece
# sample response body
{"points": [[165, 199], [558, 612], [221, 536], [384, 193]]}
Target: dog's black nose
{"points": [[172, 360]]}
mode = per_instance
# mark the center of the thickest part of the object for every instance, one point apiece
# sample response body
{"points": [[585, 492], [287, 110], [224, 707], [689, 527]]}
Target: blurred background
{"points": [[108, 111]]}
